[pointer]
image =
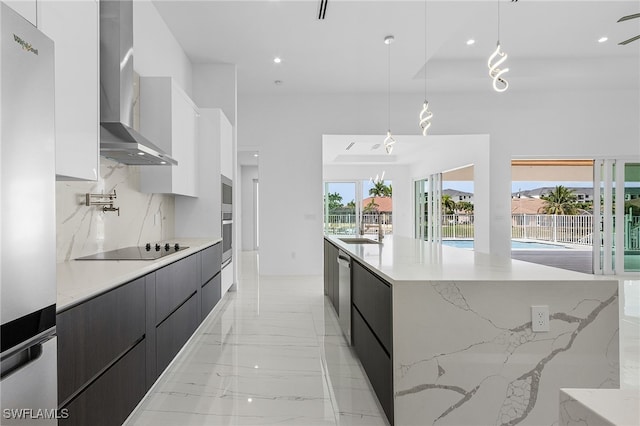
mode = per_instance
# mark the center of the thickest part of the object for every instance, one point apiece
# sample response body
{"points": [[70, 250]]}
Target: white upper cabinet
{"points": [[74, 28], [26, 8], [169, 119], [226, 147]]}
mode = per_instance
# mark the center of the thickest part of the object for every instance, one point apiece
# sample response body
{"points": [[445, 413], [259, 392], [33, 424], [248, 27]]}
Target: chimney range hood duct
{"points": [[118, 140]]}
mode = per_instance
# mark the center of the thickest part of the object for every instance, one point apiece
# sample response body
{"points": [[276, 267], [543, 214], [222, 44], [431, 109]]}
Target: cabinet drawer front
{"points": [[172, 334], [94, 333], [210, 295], [111, 398], [372, 296], [174, 284], [211, 261], [376, 363]]}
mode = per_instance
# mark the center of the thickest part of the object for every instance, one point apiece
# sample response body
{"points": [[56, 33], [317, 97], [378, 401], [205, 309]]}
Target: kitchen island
{"points": [[461, 349]]}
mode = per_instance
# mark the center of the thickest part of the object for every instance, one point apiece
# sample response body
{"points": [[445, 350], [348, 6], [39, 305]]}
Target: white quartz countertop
{"points": [[79, 280], [402, 260], [620, 407]]}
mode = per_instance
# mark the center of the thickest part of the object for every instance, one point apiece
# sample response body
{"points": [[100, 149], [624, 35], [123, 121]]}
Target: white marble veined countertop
{"points": [[620, 407], [79, 280], [403, 260]]}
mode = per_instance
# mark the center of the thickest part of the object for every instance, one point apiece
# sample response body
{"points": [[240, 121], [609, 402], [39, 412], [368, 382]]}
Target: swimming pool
{"points": [[468, 244]]}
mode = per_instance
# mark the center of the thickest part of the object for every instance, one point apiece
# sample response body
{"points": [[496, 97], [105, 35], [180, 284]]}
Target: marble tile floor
{"points": [[272, 354]]}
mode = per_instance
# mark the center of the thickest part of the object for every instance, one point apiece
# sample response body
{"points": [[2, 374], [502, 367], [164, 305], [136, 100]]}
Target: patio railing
{"points": [[570, 229]]}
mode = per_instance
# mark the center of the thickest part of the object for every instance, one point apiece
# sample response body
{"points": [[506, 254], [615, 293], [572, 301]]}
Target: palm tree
{"points": [[560, 201], [380, 190], [334, 200], [448, 205]]}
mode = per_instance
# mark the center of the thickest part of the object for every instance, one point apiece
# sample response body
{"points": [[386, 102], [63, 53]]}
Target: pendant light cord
{"points": [[425, 49], [389, 89], [498, 21]]}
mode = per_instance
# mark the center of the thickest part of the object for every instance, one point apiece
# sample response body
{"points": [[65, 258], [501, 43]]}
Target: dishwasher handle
{"points": [[344, 261]]}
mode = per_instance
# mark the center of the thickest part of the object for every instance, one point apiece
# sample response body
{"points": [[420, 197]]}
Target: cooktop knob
{"points": [[157, 247], [176, 246], [148, 247], [167, 247]]}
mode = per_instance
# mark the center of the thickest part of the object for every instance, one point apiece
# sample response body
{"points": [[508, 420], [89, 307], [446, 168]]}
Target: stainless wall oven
{"points": [[227, 219]]}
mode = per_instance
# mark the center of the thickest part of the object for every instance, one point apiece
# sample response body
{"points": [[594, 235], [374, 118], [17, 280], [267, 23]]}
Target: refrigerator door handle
{"points": [[21, 359]]}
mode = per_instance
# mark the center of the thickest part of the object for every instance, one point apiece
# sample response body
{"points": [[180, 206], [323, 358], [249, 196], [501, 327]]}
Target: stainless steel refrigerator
{"points": [[28, 384]]}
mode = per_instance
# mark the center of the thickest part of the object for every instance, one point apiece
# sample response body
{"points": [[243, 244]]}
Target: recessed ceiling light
{"points": [[277, 60], [163, 162], [141, 153], [470, 42], [255, 155], [603, 39]]}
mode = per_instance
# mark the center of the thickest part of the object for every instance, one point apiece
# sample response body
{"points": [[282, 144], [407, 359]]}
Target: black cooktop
{"points": [[147, 252]]}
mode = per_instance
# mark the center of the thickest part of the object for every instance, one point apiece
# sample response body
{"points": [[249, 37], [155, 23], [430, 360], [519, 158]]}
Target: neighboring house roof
{"points": [[385, 204], [526, 205]]}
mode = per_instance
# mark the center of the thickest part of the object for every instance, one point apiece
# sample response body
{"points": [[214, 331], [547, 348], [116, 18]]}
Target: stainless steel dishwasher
{"points": [[344, 294]]}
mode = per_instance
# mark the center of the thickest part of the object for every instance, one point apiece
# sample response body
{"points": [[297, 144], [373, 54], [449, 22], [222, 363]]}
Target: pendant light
{"points": [[389, 141], [378, 179], [496, 73], [425, 115]]}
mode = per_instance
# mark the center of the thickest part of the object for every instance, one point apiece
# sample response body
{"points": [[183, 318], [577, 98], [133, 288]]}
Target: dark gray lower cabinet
{"points": [[210, 294], [372, 297], [371, 332], [331, 274], [174, 284], [173, 332], [95, 333], [113, 347], [211, 261], [110, 399], [375, 361]]}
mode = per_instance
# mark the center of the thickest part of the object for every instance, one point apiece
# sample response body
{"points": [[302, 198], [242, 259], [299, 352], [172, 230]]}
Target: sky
{"points": [[348, 190]]}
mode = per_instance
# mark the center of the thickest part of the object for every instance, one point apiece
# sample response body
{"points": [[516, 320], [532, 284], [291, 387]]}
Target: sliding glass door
{"points": [[616, 242], [428, 208]]}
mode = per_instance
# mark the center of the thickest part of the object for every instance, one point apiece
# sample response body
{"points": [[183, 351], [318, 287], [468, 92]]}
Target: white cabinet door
{"points": [[26, 8], [168, 118], [226, 148], [183, 137], [74, 28]]}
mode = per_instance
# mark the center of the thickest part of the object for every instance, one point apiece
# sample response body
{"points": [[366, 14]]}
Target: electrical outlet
{"points": [[540, 318]]}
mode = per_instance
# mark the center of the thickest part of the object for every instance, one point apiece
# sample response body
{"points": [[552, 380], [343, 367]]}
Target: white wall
{"points": [[157, 53], [247, 212], [214, 86], [288, 131]]}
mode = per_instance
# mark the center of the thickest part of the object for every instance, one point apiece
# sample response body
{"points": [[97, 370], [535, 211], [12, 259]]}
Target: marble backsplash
{"points": [[83, 230]]}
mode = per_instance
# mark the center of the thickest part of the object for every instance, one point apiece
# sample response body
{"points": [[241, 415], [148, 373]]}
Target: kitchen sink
{"points": [[356, 240]]}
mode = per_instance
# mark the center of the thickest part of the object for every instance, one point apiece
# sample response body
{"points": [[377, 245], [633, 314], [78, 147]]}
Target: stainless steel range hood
{"points": [[118, 139]]}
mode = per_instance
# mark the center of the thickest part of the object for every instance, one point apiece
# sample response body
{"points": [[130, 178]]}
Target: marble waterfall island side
{"points": [[464, 352]]}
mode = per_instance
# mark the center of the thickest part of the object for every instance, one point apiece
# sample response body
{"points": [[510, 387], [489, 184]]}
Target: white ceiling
{"points": [[550, 43], [368, 149]]}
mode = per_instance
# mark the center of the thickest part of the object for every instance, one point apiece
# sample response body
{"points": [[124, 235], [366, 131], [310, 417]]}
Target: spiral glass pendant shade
{"points": [[425, 118], [495, 72]]}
